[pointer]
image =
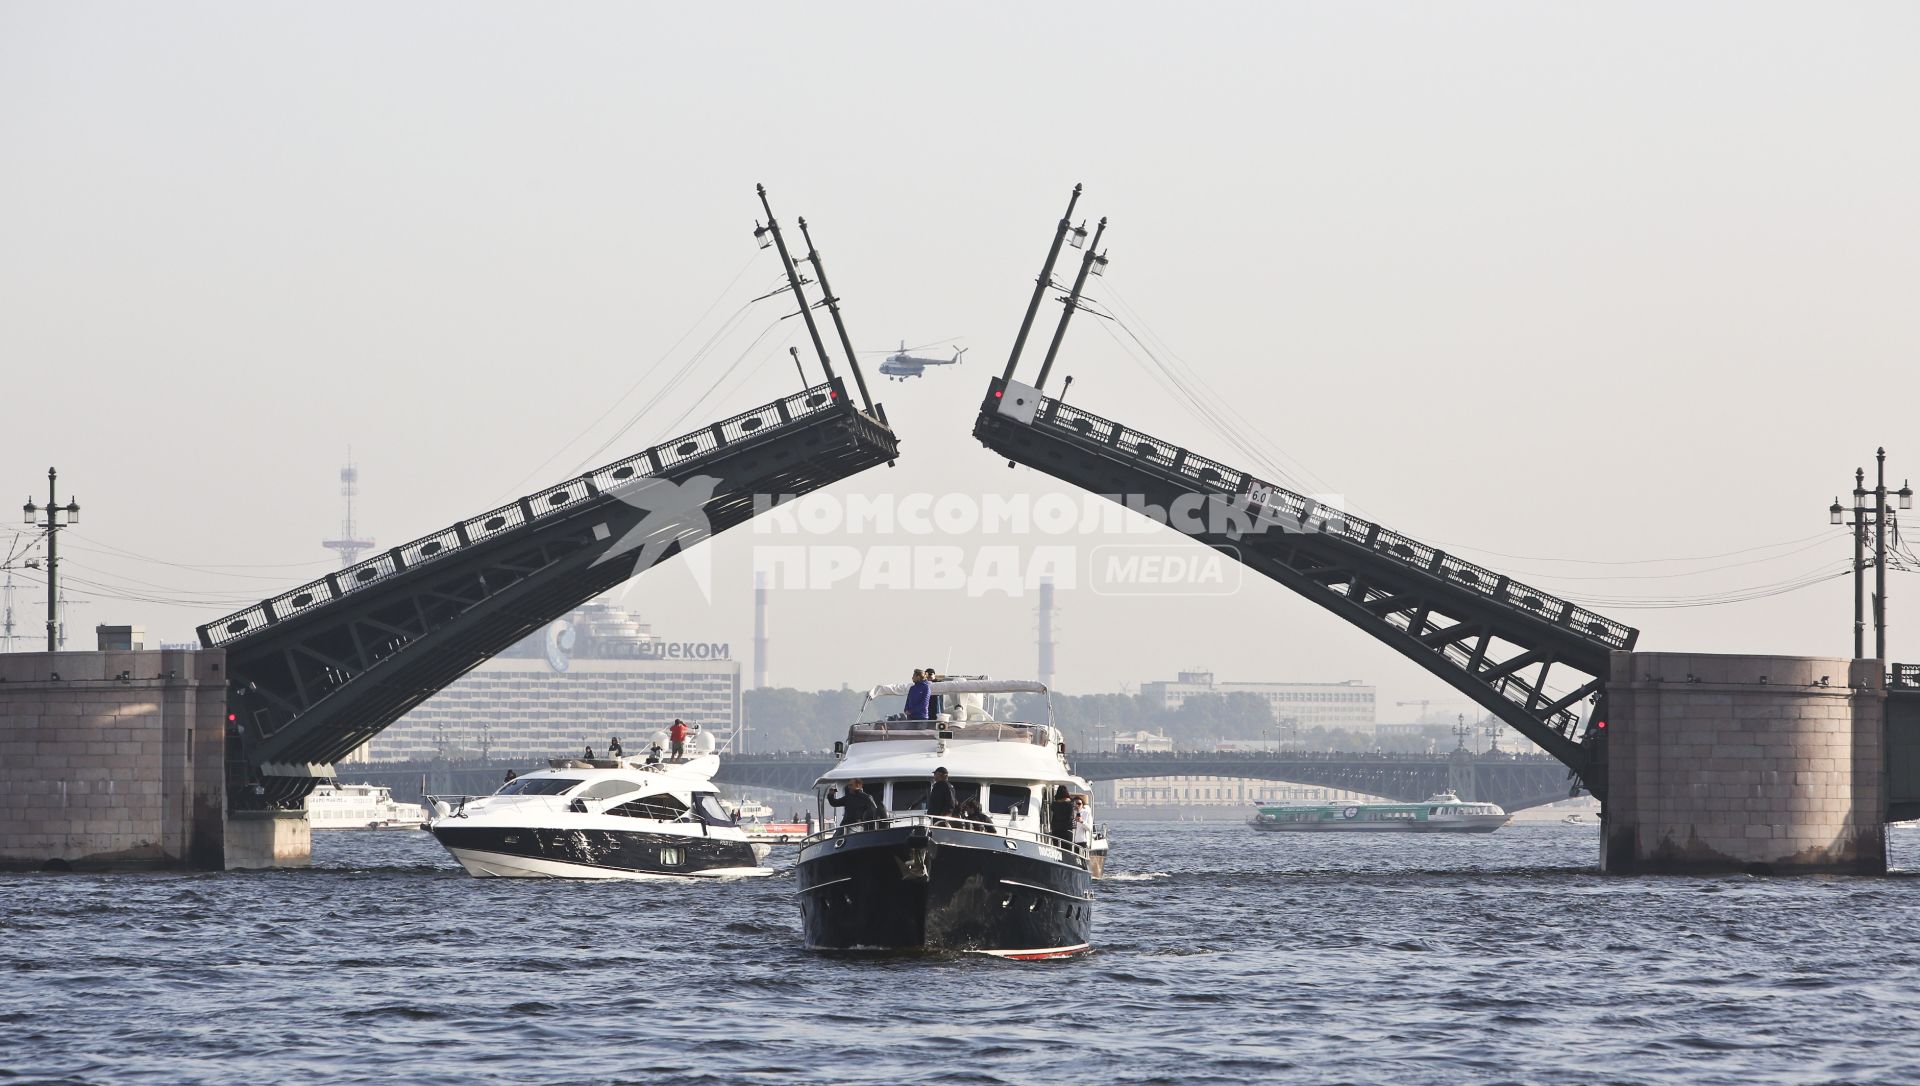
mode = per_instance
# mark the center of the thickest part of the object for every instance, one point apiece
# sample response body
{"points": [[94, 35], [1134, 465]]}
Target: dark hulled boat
{"points": [[910, 881]]}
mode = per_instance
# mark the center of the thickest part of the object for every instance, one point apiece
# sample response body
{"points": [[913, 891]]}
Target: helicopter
{"points": [[900, 365]]}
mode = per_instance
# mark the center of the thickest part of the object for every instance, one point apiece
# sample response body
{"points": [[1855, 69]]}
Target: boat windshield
{"points": [[537, 786], [712, 812]]}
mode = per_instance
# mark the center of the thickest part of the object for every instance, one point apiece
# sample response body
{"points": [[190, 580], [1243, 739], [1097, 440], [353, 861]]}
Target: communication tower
{"points": [[349, 545]]}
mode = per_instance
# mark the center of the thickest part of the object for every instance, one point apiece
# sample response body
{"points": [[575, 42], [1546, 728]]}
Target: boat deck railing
{"points": [[1008, 833], [997, 730]]}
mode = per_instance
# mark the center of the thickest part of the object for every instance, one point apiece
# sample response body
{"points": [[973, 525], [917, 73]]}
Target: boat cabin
{"points": [[1011, 768]]}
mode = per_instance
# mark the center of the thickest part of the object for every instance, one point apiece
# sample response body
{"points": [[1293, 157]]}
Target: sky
{"points": [[1612, 299]]}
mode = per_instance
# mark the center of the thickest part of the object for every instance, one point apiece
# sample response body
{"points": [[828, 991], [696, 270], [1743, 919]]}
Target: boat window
{"points": [[663, 806], [537, 786], [608, 789], [1004, 798], [710, 809], [964, 792], [910, 795]]}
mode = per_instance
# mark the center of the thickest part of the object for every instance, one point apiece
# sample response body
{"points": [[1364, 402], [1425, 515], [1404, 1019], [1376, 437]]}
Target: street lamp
{"points": [[55, 512], [1877, 515]]}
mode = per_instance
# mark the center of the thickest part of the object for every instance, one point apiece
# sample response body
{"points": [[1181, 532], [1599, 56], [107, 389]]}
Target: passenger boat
{"points": [[360, 807], [1443, 813], [999, 885], [605, 818]]}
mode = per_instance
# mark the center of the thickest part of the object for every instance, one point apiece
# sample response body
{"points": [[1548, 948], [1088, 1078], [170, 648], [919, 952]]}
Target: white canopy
{"points": [[964, 686]]}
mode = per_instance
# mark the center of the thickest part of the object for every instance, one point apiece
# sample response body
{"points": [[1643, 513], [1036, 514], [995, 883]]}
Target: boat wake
{"points": [[1136, 876]]}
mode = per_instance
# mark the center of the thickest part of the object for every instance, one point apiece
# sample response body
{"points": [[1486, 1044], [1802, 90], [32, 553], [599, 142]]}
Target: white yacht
{"points": [[608, 818], [991, 878], [360, 807]]}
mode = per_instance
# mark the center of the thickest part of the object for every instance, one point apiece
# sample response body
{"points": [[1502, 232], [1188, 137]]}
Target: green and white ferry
{"points": [[1444, 813]]}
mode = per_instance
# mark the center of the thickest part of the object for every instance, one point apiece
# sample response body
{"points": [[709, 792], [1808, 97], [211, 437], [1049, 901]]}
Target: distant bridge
{"points": [[1513, 781]]}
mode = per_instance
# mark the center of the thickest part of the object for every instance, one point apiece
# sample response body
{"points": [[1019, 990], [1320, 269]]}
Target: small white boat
{"points": [[361, 807]]}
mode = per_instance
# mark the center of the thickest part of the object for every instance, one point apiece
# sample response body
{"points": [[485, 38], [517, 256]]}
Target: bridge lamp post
{"points": [[53, 511], [1877, 515]]}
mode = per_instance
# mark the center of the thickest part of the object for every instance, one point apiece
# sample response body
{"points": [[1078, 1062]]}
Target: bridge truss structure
{"points": [[318, 670], [1536, 662]]}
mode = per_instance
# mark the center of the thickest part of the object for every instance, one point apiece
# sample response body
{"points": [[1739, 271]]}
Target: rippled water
{"points": [[1223, 956]]}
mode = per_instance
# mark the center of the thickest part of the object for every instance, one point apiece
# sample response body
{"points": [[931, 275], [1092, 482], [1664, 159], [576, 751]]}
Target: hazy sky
{"points": [[1587, 294]]}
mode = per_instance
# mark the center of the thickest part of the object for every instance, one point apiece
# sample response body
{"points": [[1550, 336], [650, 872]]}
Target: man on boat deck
{"points": [[935, 703], [677, 735], [917, 696], [1060, 815], [941, 802], [857, 805]]}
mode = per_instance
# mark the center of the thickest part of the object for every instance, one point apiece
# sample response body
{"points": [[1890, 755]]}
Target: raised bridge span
{"points": [[318, 670], [1537, 662]]}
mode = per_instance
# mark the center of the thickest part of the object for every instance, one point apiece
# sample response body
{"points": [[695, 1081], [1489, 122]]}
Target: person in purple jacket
{"points": [[917, 696]]}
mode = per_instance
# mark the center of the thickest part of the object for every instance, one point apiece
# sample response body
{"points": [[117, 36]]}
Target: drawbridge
{"points": [[318, 670], [1537, 662]]}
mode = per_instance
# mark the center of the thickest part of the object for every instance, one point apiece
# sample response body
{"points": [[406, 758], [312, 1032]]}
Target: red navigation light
{"points": [[231, 717], [997, 393], [1599, 725], [833, 394]]}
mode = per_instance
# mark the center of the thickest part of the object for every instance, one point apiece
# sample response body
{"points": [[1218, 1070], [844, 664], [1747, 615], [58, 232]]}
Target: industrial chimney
{"points": [[759, 631], [1046, 632]]}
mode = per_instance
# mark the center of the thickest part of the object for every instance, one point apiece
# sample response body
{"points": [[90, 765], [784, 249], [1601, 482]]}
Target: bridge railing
{"points": [[540, 505], [1904, 677], [1298, 513]]}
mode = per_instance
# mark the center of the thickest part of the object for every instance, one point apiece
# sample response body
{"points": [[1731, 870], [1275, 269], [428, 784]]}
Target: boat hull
{"points": [[518, 852], [944, 889]]}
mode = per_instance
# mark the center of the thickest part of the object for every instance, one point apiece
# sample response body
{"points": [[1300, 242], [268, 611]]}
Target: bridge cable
{"points": [[642, 378]]}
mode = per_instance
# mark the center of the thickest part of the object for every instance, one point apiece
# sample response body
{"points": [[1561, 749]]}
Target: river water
{"points": [[1224, 956]]}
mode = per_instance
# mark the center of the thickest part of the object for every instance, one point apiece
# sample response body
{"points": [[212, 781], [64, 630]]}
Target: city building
{"points": [[595, 674], [1348, 705]]}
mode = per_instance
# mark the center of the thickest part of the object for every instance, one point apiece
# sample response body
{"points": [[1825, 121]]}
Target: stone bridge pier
{"points": [[1764, 764]]}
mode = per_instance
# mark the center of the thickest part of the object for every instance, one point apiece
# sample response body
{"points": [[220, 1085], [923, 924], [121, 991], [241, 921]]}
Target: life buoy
{"points": [[1351, 812]]}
